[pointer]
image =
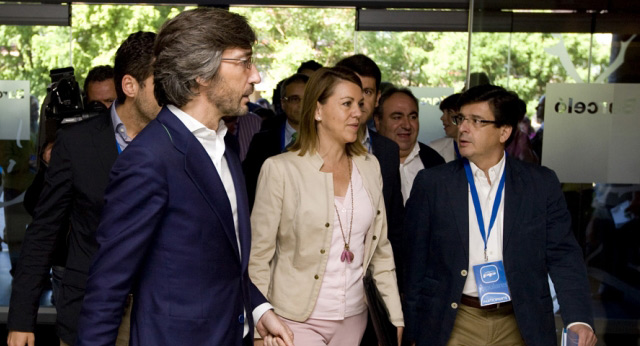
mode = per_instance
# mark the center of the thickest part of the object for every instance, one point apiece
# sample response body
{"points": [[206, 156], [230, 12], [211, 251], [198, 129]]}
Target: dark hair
{"points": [[296, 78], [450, 102], [98, 74], [134, 58], [377, 112], [309, 65], [364, 66], [508, 109], [190, 47], [319, 88]]}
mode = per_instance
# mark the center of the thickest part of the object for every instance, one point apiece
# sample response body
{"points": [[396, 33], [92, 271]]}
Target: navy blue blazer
{"points": [[167, 235], [537, 240]]}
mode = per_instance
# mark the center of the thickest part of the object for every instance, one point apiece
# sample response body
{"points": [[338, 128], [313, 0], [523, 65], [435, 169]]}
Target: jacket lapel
{"points": [[370, 186], [513, 199], [458, 190], [201, 171], [244, 225]]}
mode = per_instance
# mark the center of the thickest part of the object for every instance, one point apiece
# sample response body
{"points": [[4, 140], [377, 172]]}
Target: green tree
{"points": [[96, 33], [288, 36]]}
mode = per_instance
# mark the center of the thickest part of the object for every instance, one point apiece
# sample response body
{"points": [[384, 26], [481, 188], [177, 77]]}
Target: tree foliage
{"points": [[288, 36]]}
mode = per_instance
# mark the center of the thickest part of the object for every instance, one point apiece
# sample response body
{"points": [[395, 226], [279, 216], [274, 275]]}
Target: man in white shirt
{"points": [[175, 227], [482, 236], [396, 118], [447, 146]]}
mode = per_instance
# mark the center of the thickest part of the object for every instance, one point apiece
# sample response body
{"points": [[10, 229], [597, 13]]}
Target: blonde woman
{"points": [[318, 222]]}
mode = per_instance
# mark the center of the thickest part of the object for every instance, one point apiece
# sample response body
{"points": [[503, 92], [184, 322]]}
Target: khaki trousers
{"points": [[476, 327], [124, 329]]}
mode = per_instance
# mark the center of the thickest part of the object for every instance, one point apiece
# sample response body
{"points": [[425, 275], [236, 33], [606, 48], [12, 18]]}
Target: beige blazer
{"points": [[292, 224]]}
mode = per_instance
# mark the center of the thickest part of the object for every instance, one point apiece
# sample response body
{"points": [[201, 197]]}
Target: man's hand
{"points": [[21, 338], [273, 331], [586, 337], [400, 330]]}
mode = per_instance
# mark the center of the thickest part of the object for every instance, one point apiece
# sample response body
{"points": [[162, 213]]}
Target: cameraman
{"points": [[73, 191], [99, 85]]}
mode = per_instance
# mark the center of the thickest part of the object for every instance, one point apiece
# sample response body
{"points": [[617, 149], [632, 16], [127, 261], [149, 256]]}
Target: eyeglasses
{"points": [[248, 62], [292, 99], [459, 119]]}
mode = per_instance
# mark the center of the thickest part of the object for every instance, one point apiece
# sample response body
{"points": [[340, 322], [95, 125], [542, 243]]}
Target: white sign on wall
{"points": [[592, 132], [430, 124], [14, 110]]}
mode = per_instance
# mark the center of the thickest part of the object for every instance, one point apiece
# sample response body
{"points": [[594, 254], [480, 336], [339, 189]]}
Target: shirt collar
{"points": [[366, 139], [494, 172], [118, 126], [196, 127], [413, 154], [288, 131]]}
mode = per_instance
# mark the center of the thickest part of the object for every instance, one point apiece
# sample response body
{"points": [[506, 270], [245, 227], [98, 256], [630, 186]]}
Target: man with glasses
{"points": [[175, 226], [483, 234], [278, 135]]}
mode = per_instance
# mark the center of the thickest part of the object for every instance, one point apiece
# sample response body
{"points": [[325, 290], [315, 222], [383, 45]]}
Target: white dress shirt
{"points": [[213, 143], [288, 133], [486, 195], [408, 171]]}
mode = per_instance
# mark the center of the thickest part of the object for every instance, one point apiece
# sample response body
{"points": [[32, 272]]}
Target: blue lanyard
{"points": [[118, 146], [476, 204], [455, 147]]}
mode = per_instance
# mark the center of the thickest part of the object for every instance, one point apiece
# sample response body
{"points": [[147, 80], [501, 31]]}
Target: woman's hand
{"points": [[400, 330]]}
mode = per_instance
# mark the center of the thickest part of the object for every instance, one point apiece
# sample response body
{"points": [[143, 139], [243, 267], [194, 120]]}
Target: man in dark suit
{"points": [[482, 236], [278, 133], [175, 227], [73, 194], [397, 118]]}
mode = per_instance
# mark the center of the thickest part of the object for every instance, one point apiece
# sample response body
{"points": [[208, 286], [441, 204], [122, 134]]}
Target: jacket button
{"points": [[241, 318], [463, 272], [454, 305], [322, 251], [374, 237], [316, 277], [326, 225], [378, 213]]}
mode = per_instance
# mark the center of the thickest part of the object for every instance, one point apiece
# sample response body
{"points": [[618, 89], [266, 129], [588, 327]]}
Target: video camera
{"points": [[64, 101]]}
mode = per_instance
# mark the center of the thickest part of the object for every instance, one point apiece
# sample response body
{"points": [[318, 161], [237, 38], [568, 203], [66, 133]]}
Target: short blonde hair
{"points": [[318, 89]]}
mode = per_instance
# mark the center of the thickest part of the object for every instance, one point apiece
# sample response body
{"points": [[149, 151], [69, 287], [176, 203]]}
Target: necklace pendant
{"points": [[346, 256]]}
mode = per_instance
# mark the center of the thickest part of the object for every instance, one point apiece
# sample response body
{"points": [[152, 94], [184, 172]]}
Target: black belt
{"points": [[475, 303]]}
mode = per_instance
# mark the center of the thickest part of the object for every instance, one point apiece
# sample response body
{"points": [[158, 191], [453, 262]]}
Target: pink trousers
{"points": [[312, 332]]}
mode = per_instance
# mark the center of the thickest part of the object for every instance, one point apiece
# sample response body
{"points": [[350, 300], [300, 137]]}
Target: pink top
{"points": [[342, 293]]}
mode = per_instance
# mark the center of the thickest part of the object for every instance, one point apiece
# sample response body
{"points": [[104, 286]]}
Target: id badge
{"points": [[492, 283]]}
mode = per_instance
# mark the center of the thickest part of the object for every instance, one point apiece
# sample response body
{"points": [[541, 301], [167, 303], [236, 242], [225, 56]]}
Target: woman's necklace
{"points": [[346, 253]]}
